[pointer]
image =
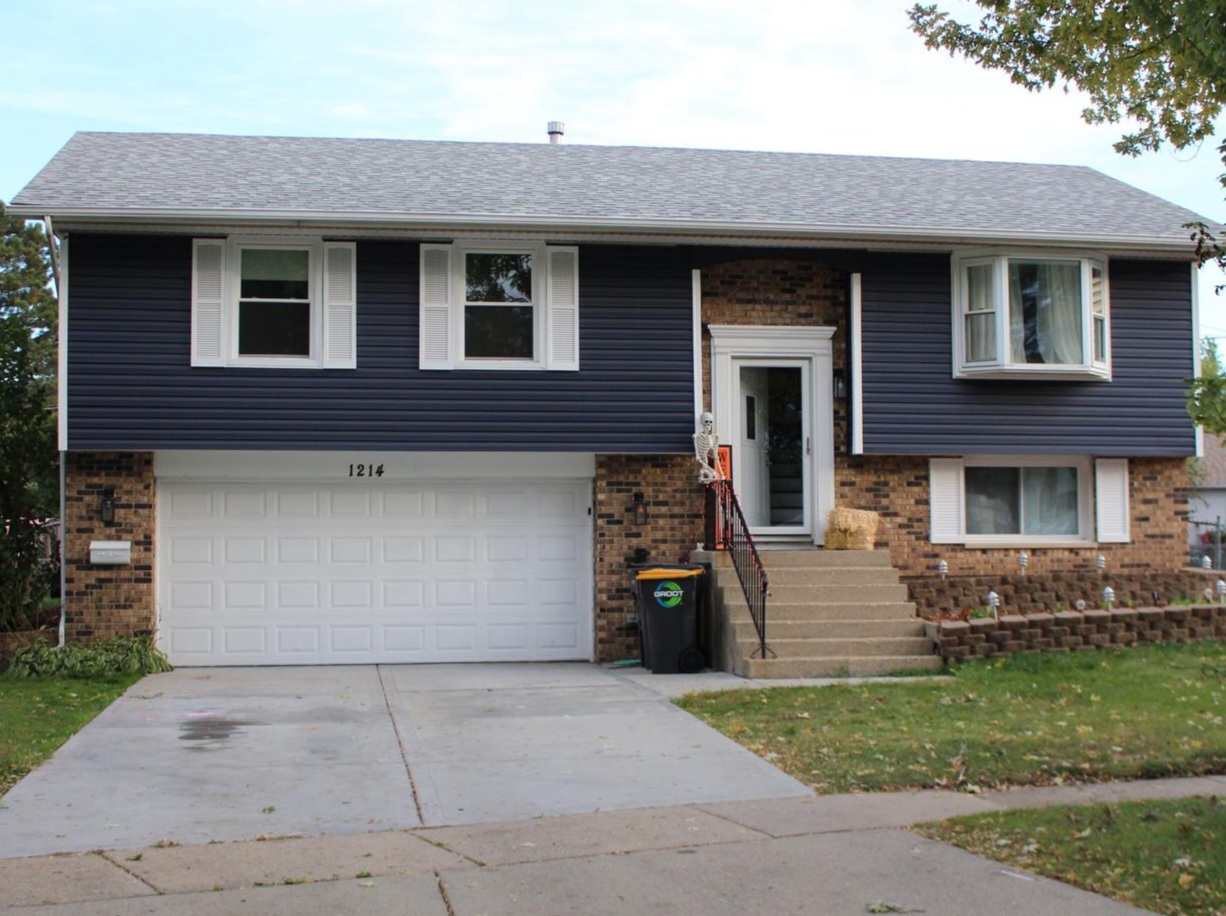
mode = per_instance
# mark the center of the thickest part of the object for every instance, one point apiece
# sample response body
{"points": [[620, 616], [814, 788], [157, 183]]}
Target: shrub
{"points": [[103, 658]]}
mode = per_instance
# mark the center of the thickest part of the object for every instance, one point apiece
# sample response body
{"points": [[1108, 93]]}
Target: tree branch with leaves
{"points": [[1157, 65], [29, 479]]}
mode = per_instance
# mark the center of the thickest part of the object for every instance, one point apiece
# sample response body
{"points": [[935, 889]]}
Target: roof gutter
{"points": [[83, 215]]}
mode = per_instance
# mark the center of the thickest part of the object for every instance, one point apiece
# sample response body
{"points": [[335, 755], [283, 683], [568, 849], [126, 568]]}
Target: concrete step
{"points": [[850, 628], [834, 594], [915, 646], [843, 610], [862, 666], [834, 575], [819, 559]]}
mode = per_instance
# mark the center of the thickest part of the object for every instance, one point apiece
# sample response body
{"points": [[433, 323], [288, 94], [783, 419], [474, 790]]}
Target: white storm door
{"points": [[772, 466]]}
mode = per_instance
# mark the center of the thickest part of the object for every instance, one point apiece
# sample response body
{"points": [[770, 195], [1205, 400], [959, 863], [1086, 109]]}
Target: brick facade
{"points": [[791, 293], [673, 498], [897, 489], [103, 601]]}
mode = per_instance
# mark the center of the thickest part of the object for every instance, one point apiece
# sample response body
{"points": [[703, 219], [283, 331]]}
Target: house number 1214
{"points": [[365, 470]]}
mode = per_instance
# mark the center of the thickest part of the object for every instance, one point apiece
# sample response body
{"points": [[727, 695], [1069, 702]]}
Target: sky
{"points": [[820, 76]]}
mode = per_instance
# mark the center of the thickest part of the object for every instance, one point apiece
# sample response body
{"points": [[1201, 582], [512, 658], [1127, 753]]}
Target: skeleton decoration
{"points": [[706, 450]]}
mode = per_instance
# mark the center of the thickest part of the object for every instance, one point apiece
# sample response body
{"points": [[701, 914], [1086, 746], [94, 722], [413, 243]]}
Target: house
{"points": [[368, 400], [1207, 501]]}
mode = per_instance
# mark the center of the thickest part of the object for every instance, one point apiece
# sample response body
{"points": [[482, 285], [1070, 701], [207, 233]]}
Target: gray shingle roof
{"points": [[115, 174]]}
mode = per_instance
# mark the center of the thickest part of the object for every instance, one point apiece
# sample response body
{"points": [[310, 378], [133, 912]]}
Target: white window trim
{"points": [[459, 286], [234, 249], [555, 308], [1000, 367], [1089, 516]]}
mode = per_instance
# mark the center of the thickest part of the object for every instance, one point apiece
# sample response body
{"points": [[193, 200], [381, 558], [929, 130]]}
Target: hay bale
{"points": [[851, 529]]}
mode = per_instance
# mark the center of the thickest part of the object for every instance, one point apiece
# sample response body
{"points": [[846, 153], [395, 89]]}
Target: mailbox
{"points": [[110, 553]]}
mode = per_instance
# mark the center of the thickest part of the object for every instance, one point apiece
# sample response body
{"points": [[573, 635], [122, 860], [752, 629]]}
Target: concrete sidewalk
{"points": [[829, 854]]}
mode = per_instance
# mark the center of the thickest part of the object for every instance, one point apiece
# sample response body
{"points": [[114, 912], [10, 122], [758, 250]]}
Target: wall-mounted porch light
{"points": [[839, 380], [639, 508], [106, 507]]}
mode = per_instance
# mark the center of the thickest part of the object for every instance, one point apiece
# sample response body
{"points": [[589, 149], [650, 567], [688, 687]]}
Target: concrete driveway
{"points": [[198, 755]]}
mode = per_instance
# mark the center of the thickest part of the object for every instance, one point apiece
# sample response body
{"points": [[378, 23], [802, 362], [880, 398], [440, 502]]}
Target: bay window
{"points": [[1031, 316]]}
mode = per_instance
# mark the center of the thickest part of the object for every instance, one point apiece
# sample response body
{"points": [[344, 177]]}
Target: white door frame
{"points": [[731, 344]]}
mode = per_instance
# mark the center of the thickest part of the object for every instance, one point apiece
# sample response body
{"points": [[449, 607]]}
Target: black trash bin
{"points": [[668, 618]]}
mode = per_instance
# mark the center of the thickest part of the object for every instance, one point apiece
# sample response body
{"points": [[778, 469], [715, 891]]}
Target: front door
{"points": [[772, 471]]}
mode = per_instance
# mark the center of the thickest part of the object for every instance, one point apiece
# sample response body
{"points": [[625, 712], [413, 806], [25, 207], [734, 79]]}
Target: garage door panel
{"points": [[293, 550], [301, 573], [245, 504]]}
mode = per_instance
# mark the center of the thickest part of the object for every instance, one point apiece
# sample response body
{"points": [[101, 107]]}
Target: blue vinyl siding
{"points": [[131, 385], [913, 405]]}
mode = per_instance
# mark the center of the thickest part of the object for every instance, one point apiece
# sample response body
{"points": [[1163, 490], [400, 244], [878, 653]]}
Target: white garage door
{"points": [[301, 573]]}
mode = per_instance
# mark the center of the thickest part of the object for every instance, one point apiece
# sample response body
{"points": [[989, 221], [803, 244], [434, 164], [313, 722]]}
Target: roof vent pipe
{"points": [[556, 129]]}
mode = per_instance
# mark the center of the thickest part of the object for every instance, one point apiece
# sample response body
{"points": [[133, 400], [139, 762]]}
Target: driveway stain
{"points": [[210, 730]]}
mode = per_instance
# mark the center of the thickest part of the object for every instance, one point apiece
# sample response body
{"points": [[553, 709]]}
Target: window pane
{"points": [[498, 332], [275, 274], [1050, 501], [498, 277], [981, 337], [1098, 302], [1045, 312], [274, 329], [979, 297], [993, 500]]}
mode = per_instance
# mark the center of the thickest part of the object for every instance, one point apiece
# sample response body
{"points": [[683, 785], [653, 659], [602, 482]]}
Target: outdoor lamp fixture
{"points": [[994, 604], [1205, 562], [640, 509], [1101, 562], [943, 569], [1221, 591], [1023, 560], [839, 383], [1080, 605], [1108, 596], [106, 508], [1208, 593]]}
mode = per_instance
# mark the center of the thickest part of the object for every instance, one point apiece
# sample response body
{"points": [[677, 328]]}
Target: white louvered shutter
{"points": [[208, 302], [434, 332], [945, 500], [1111, 500], [563, 309], [340, 306]]}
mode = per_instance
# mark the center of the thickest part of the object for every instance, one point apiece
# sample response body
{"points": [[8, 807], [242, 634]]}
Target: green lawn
{"points": [[1027, 720], [37, 715], [1161, 855]]}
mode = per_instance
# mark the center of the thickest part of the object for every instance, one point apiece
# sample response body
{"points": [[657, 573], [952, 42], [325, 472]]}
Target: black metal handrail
{"points": [[726, 529]]}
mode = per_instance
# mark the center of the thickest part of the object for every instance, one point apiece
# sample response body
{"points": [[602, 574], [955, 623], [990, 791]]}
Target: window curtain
{"points": [[1045, 312], [1049, 497], [1059, 312]]}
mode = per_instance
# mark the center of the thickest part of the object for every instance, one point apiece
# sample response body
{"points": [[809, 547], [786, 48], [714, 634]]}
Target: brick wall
{"points": [[1073, 631], [674, 525], [897, 489], [791, 293], [102, 601]]}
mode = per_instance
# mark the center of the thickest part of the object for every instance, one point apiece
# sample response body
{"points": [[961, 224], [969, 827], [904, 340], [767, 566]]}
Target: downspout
{"points": [[60, 381], [63, 630]]}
